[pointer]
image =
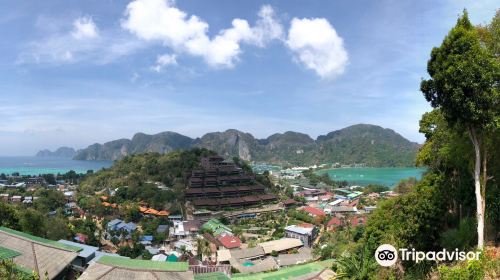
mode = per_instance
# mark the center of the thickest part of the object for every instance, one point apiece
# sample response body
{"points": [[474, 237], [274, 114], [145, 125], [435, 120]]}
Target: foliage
{"points": [[375, 188], [135, 176], [314, 179], [463, 78], [462, 237], [9, 271], [413, 220], [360, 266], [405, 185], [487, 267]]}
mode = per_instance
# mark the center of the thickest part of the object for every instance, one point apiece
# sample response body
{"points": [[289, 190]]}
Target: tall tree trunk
{"points": [[477, 188]]}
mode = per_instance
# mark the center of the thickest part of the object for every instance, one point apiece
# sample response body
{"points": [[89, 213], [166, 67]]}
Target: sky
{"points": [[74, 73]]}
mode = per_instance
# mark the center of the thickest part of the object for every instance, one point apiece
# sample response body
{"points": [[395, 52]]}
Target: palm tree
{"points": [[206, 250], [356, 266]]}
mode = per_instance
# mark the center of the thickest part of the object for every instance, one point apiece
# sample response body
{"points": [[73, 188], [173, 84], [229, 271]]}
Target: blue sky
{"points": [[78, 72]]}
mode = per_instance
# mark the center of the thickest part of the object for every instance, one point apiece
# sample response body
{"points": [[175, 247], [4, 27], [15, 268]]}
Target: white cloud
{"points": [[164, 60], [84, 28], [160, 20], [79, 40], [317, 46]]}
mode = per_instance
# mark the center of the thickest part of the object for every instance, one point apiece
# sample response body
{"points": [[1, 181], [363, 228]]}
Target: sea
{"points": [[47, 165], [387, 176]]}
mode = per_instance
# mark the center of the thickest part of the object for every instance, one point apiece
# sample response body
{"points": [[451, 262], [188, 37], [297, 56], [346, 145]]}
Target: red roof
{"points": [[230, 241], [314, 211], [356, 221], [354, 203], [305, 225], [334, 221]]}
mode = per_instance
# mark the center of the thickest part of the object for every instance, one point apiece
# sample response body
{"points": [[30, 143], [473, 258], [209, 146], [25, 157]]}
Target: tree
{"points": [[463, 84], [358, 266], [33, 222], [9, 271]]}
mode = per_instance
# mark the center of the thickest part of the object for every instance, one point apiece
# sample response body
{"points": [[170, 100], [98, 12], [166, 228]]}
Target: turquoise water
{"points": [[41, 165], [248, 264], [387, 176]]}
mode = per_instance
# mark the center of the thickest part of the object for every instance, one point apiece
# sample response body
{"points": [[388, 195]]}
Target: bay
{"points": [[387, 176], [46, 165]]}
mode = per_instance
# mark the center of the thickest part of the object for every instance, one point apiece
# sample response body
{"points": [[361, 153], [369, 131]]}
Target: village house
{"points": [[307, 233]]}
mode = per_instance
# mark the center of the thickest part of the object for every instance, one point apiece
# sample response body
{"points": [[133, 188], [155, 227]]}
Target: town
{"points": [[234, 221]]}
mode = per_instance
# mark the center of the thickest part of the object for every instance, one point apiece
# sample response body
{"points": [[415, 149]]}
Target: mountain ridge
{"points": [[61, 152], [361, 143]]}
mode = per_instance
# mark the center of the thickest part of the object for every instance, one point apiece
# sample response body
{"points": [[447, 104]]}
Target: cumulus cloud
{"points": [[161, 20], [164, 60], [316, 45], [84, 28]]}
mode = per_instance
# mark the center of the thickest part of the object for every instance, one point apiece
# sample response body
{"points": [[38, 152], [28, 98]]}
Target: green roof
{"points": [[41, 240], [211, 276], [143, 264], [286, 272], [6, 253], [172, 258], [216, 226], [343, 191]]}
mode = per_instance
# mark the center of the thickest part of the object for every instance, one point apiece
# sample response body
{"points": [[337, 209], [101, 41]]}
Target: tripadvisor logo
{"points": [[387, 255]]}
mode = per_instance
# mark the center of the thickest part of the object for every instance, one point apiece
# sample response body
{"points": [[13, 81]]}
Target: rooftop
{"points": [[230, 241], [111, 268], [6, 253], [305, 271], [280, 245], [86, 251], [143, 264], [299, 230], [36, 254]]}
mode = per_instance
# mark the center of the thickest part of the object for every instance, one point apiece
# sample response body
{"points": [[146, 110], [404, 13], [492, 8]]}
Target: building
{"points": [[117, 268], [229, 241], [357, 221], [35, 181], [162, 229], [343, 209], [4, 197], [185, 228], [313, 212], [183, 245], [218, 183], [334, 223], [307, 234], [84, 256], [280, 245], [216, 227], [37, 254], [118, 225]]}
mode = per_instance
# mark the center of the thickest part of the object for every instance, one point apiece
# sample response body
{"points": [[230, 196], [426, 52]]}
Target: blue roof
{"points": [[162, 228], [147, 238], [114, 222], [87, 250]]}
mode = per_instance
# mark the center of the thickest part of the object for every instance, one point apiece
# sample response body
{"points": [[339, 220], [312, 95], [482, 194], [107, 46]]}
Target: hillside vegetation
{"points": [[362, 143]]}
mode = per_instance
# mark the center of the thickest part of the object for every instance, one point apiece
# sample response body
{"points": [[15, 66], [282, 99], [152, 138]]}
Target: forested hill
{"points": [[362, 143], [62, 152]]}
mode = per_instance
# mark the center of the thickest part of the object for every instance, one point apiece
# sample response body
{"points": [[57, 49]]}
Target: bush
{"points": [[472, 270], [463, 237]]}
